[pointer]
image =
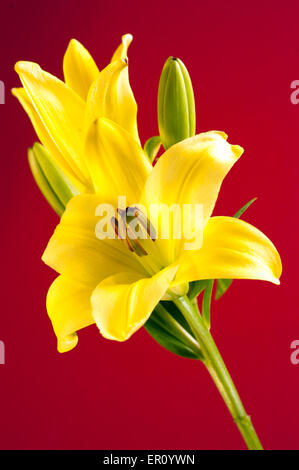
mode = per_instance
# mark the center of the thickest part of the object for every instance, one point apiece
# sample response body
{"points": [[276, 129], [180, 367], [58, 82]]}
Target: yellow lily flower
{"points": [[116, 283], [61, 112]]}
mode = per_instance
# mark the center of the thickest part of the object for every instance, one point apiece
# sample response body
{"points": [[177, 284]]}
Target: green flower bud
{"points": [[53, 184], [176, 107], [152, 147]]}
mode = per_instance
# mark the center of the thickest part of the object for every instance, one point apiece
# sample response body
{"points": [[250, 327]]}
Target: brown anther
{"points": [[123, 230], [114, 223], [136, 245], [135, 212]]}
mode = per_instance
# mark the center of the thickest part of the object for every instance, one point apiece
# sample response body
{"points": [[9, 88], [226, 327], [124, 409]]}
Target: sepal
{"points": [[169, 328], [53, 184]]}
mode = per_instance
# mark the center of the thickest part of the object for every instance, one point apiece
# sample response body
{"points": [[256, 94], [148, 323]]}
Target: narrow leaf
{"points": [[222, 286], [152, 147], [206, 303], [167, 341], [196, 287], [170, 332], [244, 208]]}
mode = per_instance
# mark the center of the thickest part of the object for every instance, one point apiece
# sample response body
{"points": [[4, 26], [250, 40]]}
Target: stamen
{"points": [[137, 247], [114, 223], [135, 212], [129, 244], [124, 232], [122, 227]]}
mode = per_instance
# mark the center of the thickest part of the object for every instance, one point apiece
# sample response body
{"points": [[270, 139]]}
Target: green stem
{"points": [[219, 373]]}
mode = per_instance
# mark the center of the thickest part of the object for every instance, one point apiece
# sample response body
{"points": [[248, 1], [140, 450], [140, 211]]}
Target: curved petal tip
{"points": [[67, 343]]}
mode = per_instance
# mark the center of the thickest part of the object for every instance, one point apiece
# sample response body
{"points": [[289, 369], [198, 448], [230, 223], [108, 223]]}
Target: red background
{"points": [[242, 57]]}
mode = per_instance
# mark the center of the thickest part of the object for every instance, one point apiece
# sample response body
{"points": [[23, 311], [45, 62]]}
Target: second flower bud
{"points": [[176, 107]]}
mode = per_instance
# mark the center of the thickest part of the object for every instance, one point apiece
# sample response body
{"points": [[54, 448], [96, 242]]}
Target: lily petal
{"points": [[75, 251], [79, 68], [111, 95], [122, 303], [103, 99], [61, 112], [189, 173], [69, 309], [45, 137], [122, 50], [117, 164], [232, 249]]}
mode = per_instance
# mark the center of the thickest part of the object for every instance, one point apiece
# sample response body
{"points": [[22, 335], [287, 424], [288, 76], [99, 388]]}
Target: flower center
{"points": [[134, 228]]}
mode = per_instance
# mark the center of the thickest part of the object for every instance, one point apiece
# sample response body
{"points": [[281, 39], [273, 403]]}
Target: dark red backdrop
{"points": [[242, 57]]}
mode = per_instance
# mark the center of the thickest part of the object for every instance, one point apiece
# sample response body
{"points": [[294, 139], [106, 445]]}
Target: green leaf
{"points": [[206, 303], [224, 284], [244, 208], [168, 329], [196, 287], [161, 336], [152, 147]]}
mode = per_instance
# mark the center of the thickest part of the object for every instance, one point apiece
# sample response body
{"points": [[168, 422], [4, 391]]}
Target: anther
{"points": [[124, 232], [135, 212], [114, 223], [136, 245]]}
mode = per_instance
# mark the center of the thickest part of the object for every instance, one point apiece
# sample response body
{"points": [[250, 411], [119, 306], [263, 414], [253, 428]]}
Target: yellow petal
{"points": [[232, 249], [111, 95], [75, 251], [117, 164], [122, 50], [69, 309], [102, 100], [122, 303], [45, 137], [79, 68], [189, 173], [60, 110]]}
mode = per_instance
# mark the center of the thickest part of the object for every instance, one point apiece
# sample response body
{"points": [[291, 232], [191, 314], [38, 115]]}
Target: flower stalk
{"points": [[219, 373]]}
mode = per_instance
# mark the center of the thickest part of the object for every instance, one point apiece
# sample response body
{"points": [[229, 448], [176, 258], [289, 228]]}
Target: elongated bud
{"points": [[176, 107], [53, 184], [152, 147]]}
